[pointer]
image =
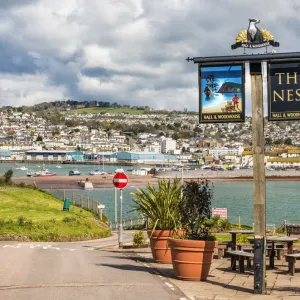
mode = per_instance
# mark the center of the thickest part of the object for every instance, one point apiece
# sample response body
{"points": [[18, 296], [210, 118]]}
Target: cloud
{"points": [[18, 90], [130, 51]]}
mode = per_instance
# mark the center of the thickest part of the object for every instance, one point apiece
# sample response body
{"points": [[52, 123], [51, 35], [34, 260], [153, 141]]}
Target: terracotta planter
{"points": [[191, 259], [161, 252]]}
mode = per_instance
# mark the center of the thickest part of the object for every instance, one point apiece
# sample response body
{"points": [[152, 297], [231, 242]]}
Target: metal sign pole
{"points": [[116, 207], [258, 178], [121, 220]]}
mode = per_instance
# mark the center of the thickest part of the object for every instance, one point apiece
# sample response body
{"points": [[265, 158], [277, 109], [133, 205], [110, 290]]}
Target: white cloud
{"points": [[17, 90]]}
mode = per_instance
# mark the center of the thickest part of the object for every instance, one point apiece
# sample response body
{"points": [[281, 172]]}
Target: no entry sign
{"points": [[120, 180]]}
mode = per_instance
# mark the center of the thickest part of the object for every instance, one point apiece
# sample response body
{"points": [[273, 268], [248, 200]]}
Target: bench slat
{"points": [[296, 255], [241, 253]]}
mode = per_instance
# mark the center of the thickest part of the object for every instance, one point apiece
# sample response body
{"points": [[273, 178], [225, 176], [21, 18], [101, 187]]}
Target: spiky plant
{"points": [[160, 204]]}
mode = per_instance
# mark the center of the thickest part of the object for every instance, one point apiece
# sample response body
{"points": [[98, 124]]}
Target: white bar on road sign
{"points": [[121, 180]]}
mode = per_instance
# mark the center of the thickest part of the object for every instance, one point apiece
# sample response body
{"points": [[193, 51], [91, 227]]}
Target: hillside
{"points": [[40, 217], [230, 87], [97, 110]]}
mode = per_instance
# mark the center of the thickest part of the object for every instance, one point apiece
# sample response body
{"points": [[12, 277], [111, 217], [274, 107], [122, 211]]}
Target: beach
{"points": [[105, 181]]}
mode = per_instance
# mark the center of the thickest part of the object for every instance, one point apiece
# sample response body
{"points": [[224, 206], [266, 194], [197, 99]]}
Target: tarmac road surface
{"points": [[56, 271]]}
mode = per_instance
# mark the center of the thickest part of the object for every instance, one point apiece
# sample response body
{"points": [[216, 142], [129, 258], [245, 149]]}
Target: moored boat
{"points": [[97, 172], [74, 173], [45, 173], [31, 173]]}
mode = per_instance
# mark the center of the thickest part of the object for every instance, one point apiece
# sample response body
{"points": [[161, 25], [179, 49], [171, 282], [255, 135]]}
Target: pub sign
{"points": [[284, 91], [221, 94]]}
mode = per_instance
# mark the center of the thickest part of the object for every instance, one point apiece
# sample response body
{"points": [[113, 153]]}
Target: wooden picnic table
{"points": [[233, 242], [275, 240]]}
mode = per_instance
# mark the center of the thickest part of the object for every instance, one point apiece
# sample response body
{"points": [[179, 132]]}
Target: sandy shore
{"points": [[105, 181]]}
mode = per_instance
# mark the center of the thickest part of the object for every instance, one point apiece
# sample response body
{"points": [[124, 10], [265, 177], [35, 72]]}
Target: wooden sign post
{"points": [[258, 141]]}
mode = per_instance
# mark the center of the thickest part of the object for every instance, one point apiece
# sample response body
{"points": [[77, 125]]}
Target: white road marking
{"points": [[6, 246], [32, 247]]}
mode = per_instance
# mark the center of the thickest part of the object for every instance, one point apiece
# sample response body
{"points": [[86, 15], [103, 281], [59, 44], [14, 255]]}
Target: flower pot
{"points": [[161, 252], [191, 259]]}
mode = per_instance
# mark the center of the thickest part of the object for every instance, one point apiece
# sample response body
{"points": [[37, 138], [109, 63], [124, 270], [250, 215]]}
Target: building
{"points": [[144, 157], [223, 151], [168, 145], [54, 155]]}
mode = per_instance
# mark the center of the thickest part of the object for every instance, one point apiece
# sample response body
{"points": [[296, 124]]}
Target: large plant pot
{"points": [[161, 252], [191, 259]]}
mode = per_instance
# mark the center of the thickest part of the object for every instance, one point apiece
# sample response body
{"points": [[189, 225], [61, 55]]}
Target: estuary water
{"points": [[60, 169], [283, 201]]}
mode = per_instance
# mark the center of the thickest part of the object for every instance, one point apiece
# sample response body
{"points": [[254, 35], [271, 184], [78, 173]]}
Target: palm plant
{"points": [[160, 205]]}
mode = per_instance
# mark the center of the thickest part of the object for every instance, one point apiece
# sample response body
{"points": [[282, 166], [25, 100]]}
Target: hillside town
{"points": [[61, 135]]}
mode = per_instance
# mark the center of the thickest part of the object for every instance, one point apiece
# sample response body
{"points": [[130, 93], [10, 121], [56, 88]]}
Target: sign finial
{"points": [[254, 37]]}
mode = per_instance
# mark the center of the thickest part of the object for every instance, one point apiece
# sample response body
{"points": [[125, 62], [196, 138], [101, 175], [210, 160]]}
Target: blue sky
{"points": [[129, 51]]}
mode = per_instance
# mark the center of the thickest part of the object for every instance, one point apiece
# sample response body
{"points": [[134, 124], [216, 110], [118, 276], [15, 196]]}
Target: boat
{"points": [[31, 173], [74, 173], [23, 168], [45, 173], [58, 167], [97, 172]]}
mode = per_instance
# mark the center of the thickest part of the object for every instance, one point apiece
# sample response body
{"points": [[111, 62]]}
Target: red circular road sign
{"points": [[120, 180]]}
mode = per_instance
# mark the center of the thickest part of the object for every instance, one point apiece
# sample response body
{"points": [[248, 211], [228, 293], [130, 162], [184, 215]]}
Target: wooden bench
{"points": [[291, 259], [292, 229], [279, 251], [240, 256]]}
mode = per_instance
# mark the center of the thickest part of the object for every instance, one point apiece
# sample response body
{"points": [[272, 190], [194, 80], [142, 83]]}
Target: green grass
{"points": [[96, 110], [39, 216]]}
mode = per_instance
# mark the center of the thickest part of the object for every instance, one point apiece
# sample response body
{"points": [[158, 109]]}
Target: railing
{"points": [[137, 223], [77, 199], [92, 205]]}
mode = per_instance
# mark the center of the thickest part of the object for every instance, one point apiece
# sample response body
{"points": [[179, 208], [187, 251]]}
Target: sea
{"points": [[283, 201]]}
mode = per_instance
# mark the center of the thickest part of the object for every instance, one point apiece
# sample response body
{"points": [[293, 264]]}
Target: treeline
{"points": [[72, 104]]}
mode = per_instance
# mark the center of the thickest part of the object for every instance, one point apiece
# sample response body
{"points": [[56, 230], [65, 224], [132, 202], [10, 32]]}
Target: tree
{"points": [[7, 176], [268, 141], [278, 142], [39, 138], [288, 141]]}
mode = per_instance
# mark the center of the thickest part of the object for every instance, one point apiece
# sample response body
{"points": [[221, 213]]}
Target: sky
{"points": [[127, 51]]}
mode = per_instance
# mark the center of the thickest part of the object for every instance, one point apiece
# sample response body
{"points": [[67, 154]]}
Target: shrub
{"points": [[195, 210], [7, 176], [21, 221], [225, 225], [139, 238], [243, 238]]}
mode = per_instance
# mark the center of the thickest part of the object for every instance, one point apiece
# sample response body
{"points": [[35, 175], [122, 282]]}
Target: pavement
{"points": [[222, 283]]}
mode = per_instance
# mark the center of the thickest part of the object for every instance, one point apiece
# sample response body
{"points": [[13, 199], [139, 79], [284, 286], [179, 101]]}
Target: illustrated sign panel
{"points": [[284, 91], [221, 212], [221, 93]]}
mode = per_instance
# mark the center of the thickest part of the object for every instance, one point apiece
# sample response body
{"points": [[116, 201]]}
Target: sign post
{"points": [[120, 181], [258, 178], [100, 207]]}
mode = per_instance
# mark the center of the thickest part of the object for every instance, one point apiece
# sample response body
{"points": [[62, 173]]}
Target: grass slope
{"points": [[39, 216], [97, 110]]}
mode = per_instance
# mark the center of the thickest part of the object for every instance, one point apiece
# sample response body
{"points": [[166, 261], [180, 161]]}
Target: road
{"points": [[77, 270]]}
